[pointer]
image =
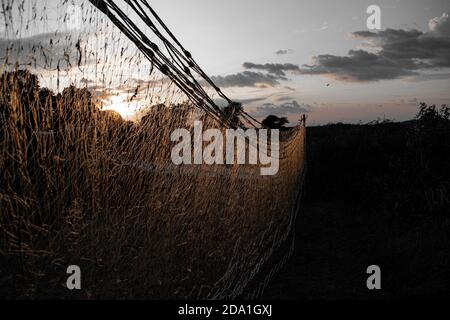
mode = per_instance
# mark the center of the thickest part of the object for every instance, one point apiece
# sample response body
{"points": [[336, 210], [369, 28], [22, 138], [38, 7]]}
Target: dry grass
{"points": [[82, 186]]}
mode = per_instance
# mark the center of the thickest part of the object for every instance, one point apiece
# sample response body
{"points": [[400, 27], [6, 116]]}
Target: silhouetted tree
{"points": [[432, 114], [433, 129], [233, 112], [274, 122]]}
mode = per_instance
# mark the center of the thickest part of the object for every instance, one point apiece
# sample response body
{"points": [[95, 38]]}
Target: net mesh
{"points": [[81, 184]]}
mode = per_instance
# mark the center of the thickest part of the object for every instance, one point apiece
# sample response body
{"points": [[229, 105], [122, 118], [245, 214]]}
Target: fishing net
{"points": [[87, 178]]}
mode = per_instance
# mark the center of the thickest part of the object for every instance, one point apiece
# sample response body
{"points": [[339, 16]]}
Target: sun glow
{"points": [[120, 104]]}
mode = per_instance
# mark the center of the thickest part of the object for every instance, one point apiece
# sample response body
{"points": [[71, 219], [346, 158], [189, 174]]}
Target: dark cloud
{"points": [[290, 88], [43, 51], [267, 75], [431, 77], [359, 65], [284, 51], [281, 52], [400, 53], [247, 79], [284, 109], [277, 69]]}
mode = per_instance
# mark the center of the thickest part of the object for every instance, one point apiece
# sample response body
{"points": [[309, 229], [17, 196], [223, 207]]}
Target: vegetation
{"points": [[274, 122], [375, 194], [382, 192], [400, 166], [79, 186]]}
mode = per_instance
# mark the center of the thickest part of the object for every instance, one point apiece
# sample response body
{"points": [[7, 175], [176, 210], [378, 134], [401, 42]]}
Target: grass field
{"points": [[80, 186]]}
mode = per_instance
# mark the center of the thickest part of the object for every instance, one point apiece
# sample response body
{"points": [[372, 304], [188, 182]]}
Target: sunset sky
{"points": [[284, 57]]}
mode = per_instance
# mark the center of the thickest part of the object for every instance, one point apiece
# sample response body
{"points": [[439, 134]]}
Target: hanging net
{"points": [[91, 92]]}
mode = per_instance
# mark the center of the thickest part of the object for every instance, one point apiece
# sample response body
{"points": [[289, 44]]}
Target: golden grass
{"points": [[81, 186]]}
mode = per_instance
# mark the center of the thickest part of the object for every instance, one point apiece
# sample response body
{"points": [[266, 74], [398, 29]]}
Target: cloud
{"points": [[284, 51], [359, 65], [252, 100], [398, 53], [281, 52], [440, 26], [247, 79], [284, 109], [290, 88], [223, 103], [431, 77], [267, 75], [284, 98], [45, 50], [277, 69]]}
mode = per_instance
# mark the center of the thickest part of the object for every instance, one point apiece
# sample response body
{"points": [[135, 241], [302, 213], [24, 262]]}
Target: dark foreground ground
{"points": [[375, 195]]}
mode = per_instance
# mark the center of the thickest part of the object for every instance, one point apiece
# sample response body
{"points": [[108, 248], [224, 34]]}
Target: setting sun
{"points": [[120, 104]]}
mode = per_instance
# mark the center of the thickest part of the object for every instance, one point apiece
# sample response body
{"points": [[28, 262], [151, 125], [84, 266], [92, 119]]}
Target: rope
{"points": [[178, 64]]}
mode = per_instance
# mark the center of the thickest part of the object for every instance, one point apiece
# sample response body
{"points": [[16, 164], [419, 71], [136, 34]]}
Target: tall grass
{"points": [[82, 186]]}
